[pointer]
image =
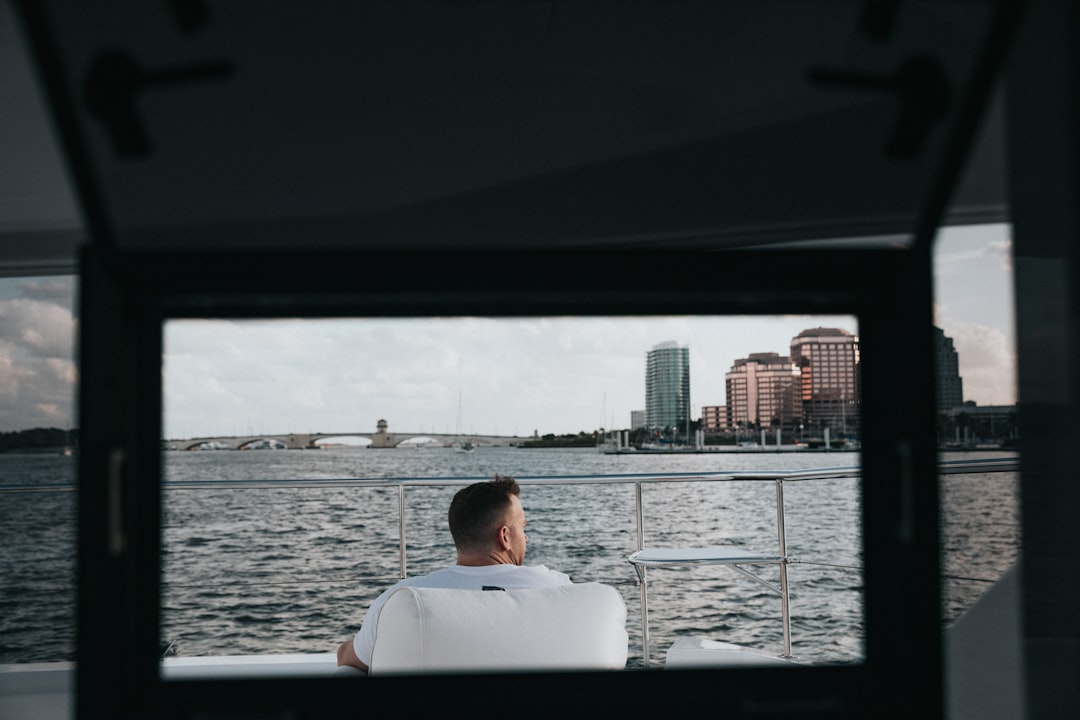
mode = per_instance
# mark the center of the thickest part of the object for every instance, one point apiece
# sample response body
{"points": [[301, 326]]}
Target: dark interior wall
{"points": [[1044, 165]]}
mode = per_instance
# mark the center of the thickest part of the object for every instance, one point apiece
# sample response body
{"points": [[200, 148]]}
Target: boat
{"points": [[687, 158], [615, 443], [459, 445]]}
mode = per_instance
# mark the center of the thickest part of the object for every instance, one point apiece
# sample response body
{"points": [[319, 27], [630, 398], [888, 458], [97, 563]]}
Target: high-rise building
{"points": [[827, 360], [761, 392], [667, 387], [949, 384], [714, 418]]}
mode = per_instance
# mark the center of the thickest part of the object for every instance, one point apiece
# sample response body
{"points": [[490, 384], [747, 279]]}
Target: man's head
{"points": [[487, 522]]}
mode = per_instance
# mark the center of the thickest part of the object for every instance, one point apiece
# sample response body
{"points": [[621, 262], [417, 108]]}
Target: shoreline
{"points": [[48, 450], [776, 451]]}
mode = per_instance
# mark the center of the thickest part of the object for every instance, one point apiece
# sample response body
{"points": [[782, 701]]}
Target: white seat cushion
{"points": [[579, 626]]}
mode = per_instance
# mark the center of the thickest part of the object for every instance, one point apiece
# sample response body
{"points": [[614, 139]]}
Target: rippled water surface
{"points": [[250, 570]]}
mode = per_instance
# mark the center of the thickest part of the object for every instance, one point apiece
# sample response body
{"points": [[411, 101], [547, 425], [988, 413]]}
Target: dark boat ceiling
{"points": [[412, 125]]}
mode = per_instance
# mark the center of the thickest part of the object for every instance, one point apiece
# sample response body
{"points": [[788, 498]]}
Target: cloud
{"points": [[987, 364], [1002, 250], [38, 376], [959, 248], [10, 374], [974, 307], [57, 291], [63, 370]]}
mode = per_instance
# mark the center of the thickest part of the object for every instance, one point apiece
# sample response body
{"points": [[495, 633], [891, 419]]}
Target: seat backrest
{"points": [[579, 626]]}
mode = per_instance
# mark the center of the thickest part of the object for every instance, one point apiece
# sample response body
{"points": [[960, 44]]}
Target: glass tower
{"points": [[950, 386], [667, 388]]}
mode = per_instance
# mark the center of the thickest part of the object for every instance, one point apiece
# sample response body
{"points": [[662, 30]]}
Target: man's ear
{"points": [[504, 537]]}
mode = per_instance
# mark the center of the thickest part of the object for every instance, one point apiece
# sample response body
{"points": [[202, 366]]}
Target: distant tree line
{"points": [[38, 438], [582, 439]]}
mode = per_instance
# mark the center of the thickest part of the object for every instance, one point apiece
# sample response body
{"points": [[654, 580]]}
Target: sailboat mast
{"points": [[457, 430]]}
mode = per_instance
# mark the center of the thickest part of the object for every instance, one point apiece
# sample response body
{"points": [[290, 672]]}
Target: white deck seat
{"points": [[580, 626]]}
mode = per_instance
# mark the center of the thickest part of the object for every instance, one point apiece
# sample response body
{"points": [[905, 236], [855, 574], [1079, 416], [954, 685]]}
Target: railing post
{"points": [[401, 530], [638, 516], [642, 578], [785, 608]]}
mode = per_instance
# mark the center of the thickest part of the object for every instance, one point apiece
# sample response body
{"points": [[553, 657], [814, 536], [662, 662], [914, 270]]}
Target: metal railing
{"points": [[781, 559], [638, 481]]}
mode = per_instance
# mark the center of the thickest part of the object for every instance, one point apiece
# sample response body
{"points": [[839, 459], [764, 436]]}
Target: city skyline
{"points": [[584, 373], [506, 384]]}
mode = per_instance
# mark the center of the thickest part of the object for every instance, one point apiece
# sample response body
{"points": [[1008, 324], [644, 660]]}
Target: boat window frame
{"points": [[127, 297]]}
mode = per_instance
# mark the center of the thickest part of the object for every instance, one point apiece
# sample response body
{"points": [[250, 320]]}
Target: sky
{"points": [[38, 377], [463, 375], [512, 376]]}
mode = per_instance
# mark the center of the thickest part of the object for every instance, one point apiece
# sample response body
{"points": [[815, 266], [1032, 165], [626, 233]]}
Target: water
{"points": [[37, 560], [250, 570]]}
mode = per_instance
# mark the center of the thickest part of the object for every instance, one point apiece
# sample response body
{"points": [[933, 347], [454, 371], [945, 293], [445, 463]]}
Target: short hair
{"points": [[478, 509]]}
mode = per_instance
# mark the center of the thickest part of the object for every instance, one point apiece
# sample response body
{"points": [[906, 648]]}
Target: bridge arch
{"points": [[359, 440]]}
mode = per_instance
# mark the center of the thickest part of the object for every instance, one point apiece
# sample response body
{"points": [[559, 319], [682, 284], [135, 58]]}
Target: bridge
{"points": [[380, 438]]}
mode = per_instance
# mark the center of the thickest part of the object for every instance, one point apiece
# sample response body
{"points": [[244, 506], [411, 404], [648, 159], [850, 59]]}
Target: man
{"points": [[487, 523]]}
